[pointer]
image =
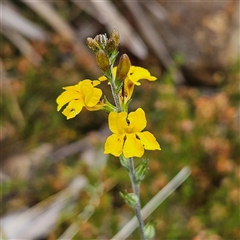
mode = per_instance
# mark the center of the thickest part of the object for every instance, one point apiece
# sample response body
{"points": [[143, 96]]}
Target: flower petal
{"points": [[121, 123], [96, 107], [114, 144], [137, 73], [95, 82], [117, 122], [66, 97], [93, 97], [85, 86], [72, 88], [149, 141], [137, 120], [112, 122], [102, 78], [73, 108], [132, 146]]}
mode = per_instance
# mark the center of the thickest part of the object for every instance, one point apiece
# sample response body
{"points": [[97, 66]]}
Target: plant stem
{"points": [[135, 187], [115, 96], [116, 99]]}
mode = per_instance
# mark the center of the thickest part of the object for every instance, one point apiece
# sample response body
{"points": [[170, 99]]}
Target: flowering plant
{"points": [[128, 139]]}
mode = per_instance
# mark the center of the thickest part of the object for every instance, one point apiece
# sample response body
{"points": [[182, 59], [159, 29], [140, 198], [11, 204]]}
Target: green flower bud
{"points": [[92, 44], [149, 230], [102, 60], [130, 198], [141, 170], [123, 67], [115, 36], [124, 162]]}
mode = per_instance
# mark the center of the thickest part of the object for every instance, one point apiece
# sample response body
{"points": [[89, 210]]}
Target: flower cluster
{"points": [[127, 138]]}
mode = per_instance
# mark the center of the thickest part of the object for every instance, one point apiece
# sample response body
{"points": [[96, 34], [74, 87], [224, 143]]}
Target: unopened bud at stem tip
{"points": [[115, 36]]}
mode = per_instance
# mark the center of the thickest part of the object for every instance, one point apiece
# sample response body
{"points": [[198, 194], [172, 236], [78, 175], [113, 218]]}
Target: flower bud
{"points": [[110, 46], [123, 67], [102, 60], [130, 198], [92, 44], [141, 170], [149, 231], [124, 162], [115, 36], [102, 40]]}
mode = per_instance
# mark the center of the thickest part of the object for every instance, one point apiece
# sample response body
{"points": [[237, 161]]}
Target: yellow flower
{"points": [[135, 74], [84, 94], [127, 138]]}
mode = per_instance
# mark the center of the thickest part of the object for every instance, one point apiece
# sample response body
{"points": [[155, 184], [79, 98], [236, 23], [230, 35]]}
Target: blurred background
{"points": [[56, 183]]}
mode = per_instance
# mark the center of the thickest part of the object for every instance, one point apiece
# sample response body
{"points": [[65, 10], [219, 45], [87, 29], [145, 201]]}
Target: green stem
{"points": [[135, 187], [116, 99], [115, 96]]}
